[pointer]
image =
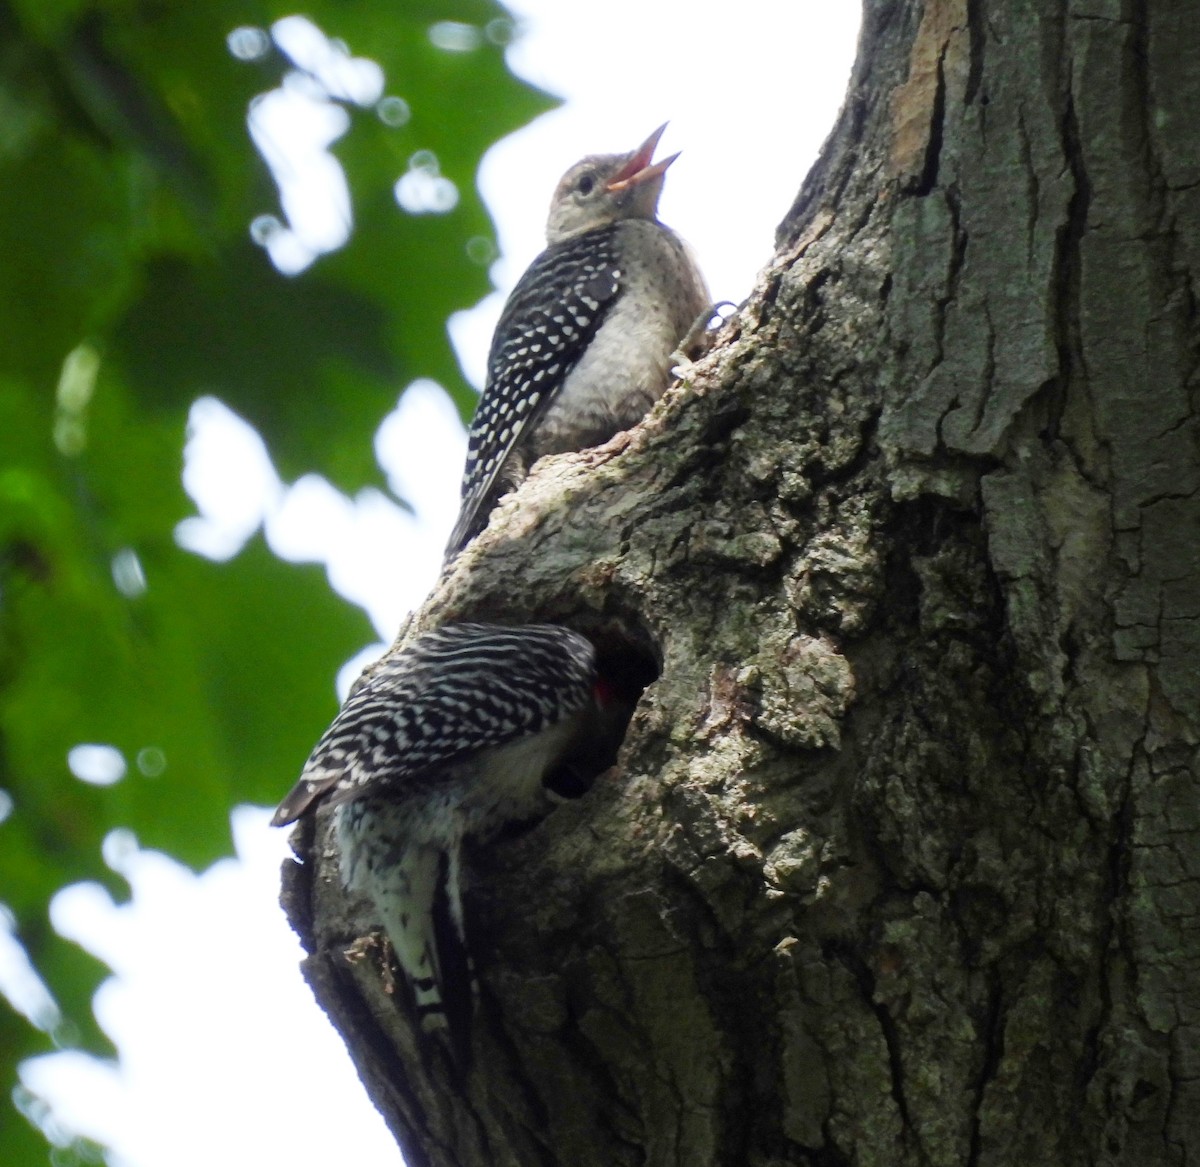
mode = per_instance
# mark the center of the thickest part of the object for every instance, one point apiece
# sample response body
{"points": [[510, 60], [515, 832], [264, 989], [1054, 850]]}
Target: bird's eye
{"points": [[586, 185]]}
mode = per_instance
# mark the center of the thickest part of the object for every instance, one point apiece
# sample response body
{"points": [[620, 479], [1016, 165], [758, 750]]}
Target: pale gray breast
{"points": [[627, 366]]}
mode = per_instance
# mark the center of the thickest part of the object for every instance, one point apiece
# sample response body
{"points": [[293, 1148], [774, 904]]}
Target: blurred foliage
{"points": [[129, 286]]}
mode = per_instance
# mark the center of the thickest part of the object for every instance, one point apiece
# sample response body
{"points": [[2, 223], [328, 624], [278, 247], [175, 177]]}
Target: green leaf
{"points": [[278, 350], [128, 183]]}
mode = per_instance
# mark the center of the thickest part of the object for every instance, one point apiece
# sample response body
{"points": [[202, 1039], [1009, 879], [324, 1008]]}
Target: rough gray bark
{"points": [[900, 864]]}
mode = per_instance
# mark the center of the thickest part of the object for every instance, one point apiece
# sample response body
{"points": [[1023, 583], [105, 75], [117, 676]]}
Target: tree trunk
{"points": [[900, 863]]}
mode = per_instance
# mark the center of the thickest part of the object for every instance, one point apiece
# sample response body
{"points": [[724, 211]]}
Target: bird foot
{"points": [[378, 945], [699, 337]]}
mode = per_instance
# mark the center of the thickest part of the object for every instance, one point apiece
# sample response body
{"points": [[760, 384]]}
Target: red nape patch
{"points": [[623, 670], [604, 691]]}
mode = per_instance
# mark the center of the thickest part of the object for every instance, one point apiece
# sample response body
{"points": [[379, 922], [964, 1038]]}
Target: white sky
{"points": [[225, 1057]]}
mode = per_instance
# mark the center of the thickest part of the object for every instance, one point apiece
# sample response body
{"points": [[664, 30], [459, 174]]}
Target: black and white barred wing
{"points": [[550, 319], [452, 692]]}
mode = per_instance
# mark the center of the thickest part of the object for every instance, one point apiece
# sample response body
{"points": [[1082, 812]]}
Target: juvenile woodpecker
{"points": [[585, 342], [457, 735]]}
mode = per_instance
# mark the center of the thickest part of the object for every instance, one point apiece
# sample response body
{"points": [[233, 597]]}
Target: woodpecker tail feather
{"points": [[419, 905], [456, 971], [404, 896]]}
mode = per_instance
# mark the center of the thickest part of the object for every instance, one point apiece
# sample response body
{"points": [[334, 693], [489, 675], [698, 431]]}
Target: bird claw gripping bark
{"points": [[374, 944], [699, 338]]}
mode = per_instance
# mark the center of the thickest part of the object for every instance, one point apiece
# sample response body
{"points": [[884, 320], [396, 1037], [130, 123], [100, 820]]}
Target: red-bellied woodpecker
{"points": [[457, 735], [584, 345]]}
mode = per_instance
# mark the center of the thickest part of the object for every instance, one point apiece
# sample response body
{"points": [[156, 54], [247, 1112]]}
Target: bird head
{"points": [[605, 188]]}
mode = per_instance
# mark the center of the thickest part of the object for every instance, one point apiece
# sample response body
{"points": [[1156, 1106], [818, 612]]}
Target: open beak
{"points": [[639, 169]]}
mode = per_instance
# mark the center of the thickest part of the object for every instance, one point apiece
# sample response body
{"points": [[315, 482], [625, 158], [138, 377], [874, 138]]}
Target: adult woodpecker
{"points": [[584, 346], [457, 735]]}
